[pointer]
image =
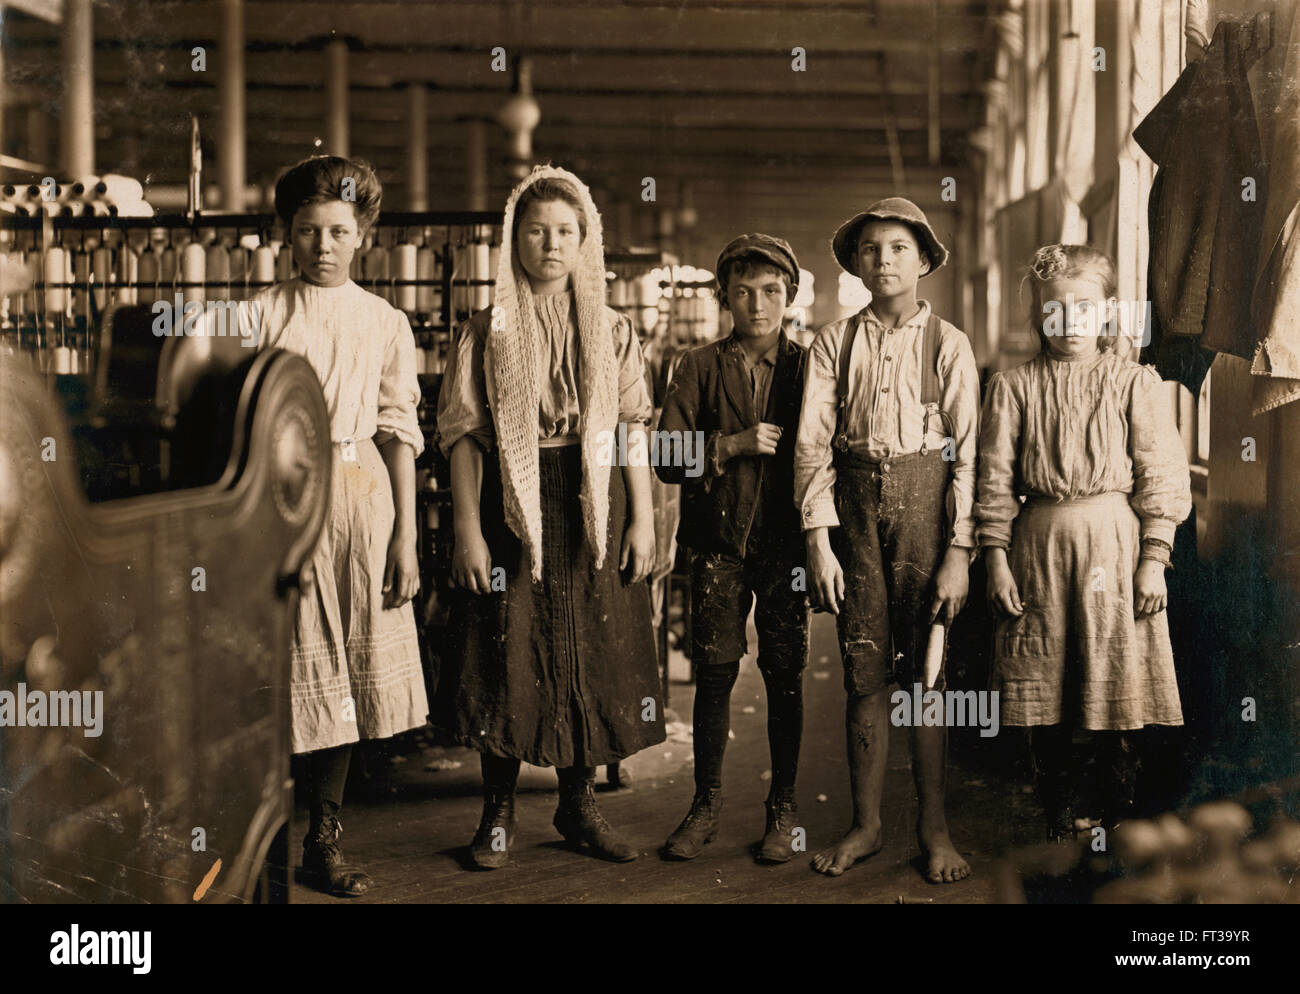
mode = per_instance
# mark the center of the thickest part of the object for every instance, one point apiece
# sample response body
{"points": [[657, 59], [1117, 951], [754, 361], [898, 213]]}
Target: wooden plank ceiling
{"points": [[702, 93]]}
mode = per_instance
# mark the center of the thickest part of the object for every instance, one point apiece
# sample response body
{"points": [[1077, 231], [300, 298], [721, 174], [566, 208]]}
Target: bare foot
{"points": [[857, 845], [946, 864]]}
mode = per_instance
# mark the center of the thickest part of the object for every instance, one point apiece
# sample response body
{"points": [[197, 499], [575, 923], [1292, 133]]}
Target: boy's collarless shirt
{"points": [[884, 414], [760, 378]]}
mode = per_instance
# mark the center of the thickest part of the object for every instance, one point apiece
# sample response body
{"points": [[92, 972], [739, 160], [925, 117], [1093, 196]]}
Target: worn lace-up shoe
{"points": [[579, 820], [323, 863], [698, 828], [490, 848], [778, 840]]}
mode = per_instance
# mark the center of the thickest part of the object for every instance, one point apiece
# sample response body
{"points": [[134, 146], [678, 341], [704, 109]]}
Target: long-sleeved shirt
{"points": [[361, 348], [884, 414], [1066, 429], [462, 404]]}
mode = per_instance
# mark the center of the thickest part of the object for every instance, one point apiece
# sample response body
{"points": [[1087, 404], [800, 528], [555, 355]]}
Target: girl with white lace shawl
{"points": [[554, 661]]}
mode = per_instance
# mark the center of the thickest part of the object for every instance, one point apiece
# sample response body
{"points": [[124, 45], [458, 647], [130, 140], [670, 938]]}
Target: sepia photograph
{"points": [[650, 452]]}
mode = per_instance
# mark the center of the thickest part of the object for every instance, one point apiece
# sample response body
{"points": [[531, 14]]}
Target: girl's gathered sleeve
{"points": [[399, 390], [996, 502], [462, 402], [1162, 486], [634, 404]]}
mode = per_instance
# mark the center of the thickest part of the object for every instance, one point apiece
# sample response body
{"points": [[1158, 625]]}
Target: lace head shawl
{"points": [[512, 369]]}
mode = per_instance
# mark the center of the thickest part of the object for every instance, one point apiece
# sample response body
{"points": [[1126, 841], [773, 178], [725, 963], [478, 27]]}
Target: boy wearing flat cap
{"points": [[884, 484], [740, 525]]}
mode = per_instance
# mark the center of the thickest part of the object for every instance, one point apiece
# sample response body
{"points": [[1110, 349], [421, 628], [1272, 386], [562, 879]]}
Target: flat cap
{"points": [[775, 250]]}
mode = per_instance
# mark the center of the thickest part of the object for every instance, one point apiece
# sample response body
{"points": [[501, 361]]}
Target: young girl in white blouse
{"points": [[1087, 439], [356, 663]]}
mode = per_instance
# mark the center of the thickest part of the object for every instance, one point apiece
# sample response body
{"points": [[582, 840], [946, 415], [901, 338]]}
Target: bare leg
{"points": [[867, 731], [930, 771]]}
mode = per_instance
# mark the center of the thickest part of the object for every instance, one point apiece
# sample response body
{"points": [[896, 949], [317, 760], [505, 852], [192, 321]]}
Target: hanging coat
{"points": [[1277, 293], [1205, 212]]}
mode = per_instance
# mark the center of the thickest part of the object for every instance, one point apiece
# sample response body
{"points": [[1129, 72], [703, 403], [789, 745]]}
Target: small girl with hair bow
{"points": [[1087, 439]]}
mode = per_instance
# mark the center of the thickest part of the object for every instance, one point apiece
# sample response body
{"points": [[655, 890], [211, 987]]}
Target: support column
{"points": [[77, 155], [417, 152], [232, 136], [38, 136], [476, 167], [336, 72]]}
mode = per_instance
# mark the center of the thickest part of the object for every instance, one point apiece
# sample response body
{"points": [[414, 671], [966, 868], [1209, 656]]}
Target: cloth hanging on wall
{"points": [[1020, 232], [1100, 209], [1205, 220], [1276, 363]]}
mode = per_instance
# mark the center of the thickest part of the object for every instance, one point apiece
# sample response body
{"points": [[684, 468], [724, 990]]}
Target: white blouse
{"points": [[361, 347]]}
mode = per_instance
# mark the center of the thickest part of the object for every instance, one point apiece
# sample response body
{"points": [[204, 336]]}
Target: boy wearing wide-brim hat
{"points": [[884, 484], [742, 395]]}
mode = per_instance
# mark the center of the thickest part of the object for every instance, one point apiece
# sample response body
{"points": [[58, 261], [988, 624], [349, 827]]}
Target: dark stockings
{"points": [[712, 720], [1119, 773], [1050, 753], [500, 774], [326, 776], [784, 727], [1051, 750], [712, 723]]}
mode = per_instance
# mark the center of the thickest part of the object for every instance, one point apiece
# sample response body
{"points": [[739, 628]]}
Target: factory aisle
{"points": [[409, 830]]}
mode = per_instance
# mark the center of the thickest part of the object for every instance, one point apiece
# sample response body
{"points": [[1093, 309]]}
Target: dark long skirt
{"points": [[562, 672]]}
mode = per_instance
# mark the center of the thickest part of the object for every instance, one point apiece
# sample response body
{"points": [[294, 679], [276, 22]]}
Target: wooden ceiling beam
{"points": [[595, 110], [572, 71], [644, 143], [626, 27]]}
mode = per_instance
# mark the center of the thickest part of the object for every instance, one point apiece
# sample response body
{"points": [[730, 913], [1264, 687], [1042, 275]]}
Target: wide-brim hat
{"points": [[776, 250], [845, 242]]}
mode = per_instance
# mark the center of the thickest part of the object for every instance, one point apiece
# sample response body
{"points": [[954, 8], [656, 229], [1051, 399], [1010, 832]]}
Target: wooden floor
{"points": [[410, 830]]}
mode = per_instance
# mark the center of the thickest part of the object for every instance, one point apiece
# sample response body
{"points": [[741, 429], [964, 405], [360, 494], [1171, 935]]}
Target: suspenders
{"points": [[929, 381]]}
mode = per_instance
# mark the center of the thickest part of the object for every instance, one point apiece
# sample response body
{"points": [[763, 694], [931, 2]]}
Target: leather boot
{"points": [[490, 848], [698, 828], [782, 820], [323, 863], [579, 820]]}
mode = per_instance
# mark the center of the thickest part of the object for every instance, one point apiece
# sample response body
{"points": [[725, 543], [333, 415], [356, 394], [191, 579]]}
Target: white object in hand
{"points": [[934, 655]]}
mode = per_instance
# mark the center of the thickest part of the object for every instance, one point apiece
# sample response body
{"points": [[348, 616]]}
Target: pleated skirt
{"points": [[356, 666], [1078, 653]]}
